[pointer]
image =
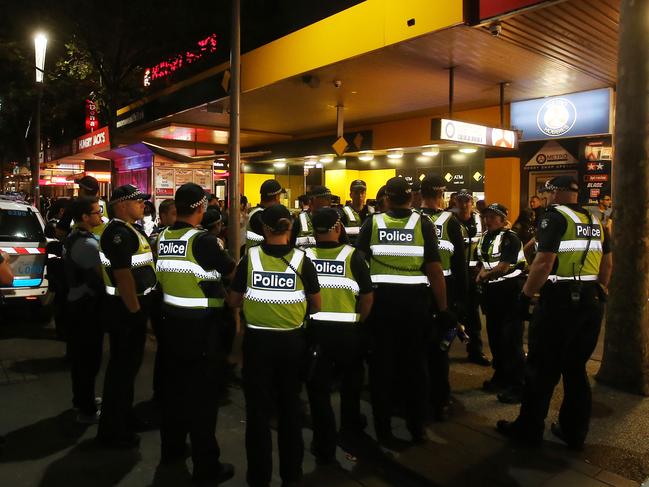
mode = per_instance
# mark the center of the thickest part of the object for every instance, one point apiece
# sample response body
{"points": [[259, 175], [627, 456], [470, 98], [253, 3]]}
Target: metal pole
{"points": [[235, 143], [36, 165], [451, 90], [502, 104], [340, 120]]}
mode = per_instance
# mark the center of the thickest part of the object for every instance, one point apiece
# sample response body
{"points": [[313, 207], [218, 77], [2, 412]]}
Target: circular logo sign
{"points": [[556, 117], [541, 159], [450, 130]]}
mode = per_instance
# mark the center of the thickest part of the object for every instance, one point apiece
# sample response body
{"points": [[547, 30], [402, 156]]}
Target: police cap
{"points": [[433, 183], [320, 192], [562, 183], [211, 217], [498, 209], [127, 192], [325, 219], [464, 194], [190, 195], [271, 187], [358, 185], [397, 187], [272, 215]]}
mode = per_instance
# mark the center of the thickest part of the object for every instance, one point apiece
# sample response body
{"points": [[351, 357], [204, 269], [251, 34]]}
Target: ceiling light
{"points": [[430, 151], [468, 150], [281, 159], [279, 165], [395, 154], [366, 156], [326, 159], [342, 160]]}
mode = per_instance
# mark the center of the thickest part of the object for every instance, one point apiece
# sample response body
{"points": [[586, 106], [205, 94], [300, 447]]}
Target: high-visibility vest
{"points": [[353, 226], [492, 257], [253, 238], [305, 238], [338, 288], [574, 243], [180, 275], [141, 263], [397, 246], [446, 248], [275, 298], [471, 243]]}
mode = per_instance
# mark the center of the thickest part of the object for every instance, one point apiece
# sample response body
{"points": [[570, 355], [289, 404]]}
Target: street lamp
{"points": [[40, 47]]}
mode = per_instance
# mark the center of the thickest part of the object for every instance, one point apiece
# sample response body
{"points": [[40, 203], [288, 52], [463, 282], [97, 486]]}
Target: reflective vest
{"points": [[446, 249], [338, 288], [180, 275], [397, 246], [305, 238], [141, 260], [353, 226], [492, 258], [574, 243], [471, 244], [253, 238], [275, 298]]}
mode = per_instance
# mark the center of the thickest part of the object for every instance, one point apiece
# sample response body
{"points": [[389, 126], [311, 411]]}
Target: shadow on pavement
{"points": [[89, 465], [43, 438], [40, 366], [172, 476]]}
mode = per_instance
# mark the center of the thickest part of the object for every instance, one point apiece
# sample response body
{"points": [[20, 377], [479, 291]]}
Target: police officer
{"points": [[472, 230], [129, 277], [355, 214], [401, 247], [336, 334], [191, 269], [571, 270], [501, 264], [89, 187], [85, 292], [452, 255], [271, 192], [302, 233], [415, 184], [279, 284]]}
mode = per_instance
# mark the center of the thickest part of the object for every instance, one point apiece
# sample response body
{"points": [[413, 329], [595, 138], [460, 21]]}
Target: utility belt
{"points": [[574, 288]]}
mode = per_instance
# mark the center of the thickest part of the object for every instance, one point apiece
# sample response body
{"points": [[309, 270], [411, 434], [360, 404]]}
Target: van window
{"points": [[20, 226]]}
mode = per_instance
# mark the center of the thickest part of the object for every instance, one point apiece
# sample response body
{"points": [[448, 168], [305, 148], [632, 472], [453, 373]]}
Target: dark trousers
{"points": [[127, 334], [398, 338], [85, 340], [561, 342], [340, 351], [156, 326], [505, 332], [272, 367], [473, 324], [192, 371]]}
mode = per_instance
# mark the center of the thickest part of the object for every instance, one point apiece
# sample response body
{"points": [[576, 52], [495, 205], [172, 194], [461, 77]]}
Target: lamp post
{"points": [[40, 47]]}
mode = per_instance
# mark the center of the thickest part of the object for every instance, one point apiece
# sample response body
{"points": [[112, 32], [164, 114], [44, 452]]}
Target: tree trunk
{"points": [[626, 350]]}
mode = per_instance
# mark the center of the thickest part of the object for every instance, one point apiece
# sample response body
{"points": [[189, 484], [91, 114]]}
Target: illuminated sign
{"points": [[470, 133], [92, 141], [166, 68], [574, 115], [92, 122]]}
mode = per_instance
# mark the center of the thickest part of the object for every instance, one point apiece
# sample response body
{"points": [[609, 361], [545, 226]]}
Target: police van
{"points": [[22, 238]]}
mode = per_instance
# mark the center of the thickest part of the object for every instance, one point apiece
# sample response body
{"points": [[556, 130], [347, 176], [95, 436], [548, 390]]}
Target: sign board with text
{"points": [[472, 134], [92, 142]]}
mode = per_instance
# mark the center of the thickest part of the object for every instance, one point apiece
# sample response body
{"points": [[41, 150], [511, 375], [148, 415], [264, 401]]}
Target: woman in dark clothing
{"points": [[524, 226]]}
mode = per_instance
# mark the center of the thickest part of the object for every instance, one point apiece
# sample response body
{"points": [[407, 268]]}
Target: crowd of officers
{"points": [[316, 297]]}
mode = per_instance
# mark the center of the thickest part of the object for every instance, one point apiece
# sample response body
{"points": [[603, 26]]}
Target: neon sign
{"points": [[166, 68]]}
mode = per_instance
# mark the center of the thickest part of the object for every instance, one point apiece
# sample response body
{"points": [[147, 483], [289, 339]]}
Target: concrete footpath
{"points": [[47, 448]]}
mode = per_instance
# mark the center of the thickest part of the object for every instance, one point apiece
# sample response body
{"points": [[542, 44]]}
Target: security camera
{"points": [[338, 83], [495, 29]]}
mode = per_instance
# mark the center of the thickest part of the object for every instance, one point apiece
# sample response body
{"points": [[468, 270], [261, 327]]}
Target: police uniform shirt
{"points": [[552, 227], [119, 244], [308, 274], [255, 222], [359, 267], [431, 251], [458, 259], [297, 228], [364, 213], [510, 244]]}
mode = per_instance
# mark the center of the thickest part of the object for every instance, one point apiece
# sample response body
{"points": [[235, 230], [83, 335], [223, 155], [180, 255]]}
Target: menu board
{"points": [[184, 176], [203, 177], [164, 181]]}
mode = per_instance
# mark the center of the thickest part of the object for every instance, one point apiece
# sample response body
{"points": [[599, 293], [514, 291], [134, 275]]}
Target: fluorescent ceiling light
{"points": [[326, 159], [424, 158], [279, 165], [468, 150], [395, 154], [366, 156], [430, 151]]}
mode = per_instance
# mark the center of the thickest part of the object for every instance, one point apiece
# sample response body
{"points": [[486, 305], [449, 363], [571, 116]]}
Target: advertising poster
{"points": [[184, 176], [203, 177], [164, 182]]}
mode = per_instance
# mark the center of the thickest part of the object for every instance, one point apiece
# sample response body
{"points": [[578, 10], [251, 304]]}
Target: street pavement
{"points": [[47, 448]]}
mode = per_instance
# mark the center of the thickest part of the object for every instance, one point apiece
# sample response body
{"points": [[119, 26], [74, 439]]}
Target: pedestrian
{"points": [[524, 226], [416, 194], [85, 295], [149, 219], [501, 264], [302, 232], [166, 218], [451, 251], [281, 287], [270, 193], [381, 200], [401, 248], [191, 268], [472, 230], [88, 186], [337, 335], [355, 213], [129, 277], [571, 270], [213, 222]]}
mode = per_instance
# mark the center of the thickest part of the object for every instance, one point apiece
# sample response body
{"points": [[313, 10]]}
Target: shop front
{"points": [[566, 135]]}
